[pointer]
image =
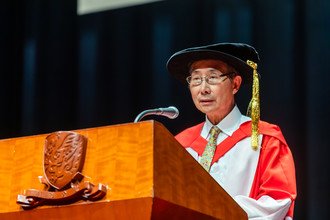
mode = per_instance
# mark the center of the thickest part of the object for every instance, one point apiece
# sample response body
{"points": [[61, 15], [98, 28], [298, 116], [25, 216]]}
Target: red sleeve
{"points": [[275, 175]]}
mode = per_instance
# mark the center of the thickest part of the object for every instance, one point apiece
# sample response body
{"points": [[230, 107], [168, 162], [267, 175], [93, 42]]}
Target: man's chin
{"points": [[206, 109]]}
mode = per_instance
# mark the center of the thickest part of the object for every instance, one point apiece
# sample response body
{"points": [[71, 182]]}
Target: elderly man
{"points": [[249, 158]]}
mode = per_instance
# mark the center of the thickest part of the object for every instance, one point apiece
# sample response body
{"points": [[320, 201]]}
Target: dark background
{"points": [[61, 71]]}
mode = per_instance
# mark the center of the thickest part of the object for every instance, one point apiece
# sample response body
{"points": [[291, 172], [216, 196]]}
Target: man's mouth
{"points": [[205, 101]]}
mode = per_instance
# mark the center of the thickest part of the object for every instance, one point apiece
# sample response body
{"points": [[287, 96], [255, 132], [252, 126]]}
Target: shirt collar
{"points": [[227, 125]]}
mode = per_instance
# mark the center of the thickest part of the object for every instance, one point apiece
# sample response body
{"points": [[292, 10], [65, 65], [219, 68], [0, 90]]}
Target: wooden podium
{"points": [[148, 173]]}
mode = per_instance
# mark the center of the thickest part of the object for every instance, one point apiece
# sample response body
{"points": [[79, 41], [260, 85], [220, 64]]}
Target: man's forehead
{"points": [[216, 64]]}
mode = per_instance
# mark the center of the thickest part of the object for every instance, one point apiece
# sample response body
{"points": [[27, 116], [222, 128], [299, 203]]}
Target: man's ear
{"points": [[237, 81]]}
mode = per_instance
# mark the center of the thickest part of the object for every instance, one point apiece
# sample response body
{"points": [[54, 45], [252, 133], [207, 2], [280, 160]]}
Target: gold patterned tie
{"points": [[208, 153]]}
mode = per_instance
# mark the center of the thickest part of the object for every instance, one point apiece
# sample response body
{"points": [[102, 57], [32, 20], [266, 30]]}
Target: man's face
{"points": [[216, 101]]}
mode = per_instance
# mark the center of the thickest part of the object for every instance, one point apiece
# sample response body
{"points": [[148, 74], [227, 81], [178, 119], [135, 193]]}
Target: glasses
{"points": [[212, 79]]}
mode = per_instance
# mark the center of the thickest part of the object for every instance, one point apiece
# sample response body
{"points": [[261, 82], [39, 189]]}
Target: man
{"points": [[249, 158]]}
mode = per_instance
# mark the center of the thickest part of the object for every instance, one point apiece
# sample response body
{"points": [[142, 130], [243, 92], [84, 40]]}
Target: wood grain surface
{"points": [[147, 172]]}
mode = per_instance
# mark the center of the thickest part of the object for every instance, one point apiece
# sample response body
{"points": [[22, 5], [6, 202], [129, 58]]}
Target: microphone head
{"points": [[170, 112]]}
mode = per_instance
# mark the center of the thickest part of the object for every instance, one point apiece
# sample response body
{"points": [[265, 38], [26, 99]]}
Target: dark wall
{"points": [[61, 71]]}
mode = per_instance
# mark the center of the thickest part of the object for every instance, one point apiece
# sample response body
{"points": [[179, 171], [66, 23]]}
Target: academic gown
{"points": [[263, 182]]}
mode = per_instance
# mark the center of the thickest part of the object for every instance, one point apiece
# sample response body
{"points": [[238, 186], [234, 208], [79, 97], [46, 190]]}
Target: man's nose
{"points": [[205, 87]]}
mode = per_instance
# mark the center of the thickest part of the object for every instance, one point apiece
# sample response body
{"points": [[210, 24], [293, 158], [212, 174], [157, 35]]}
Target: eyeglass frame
{"points": [[206, 78]]}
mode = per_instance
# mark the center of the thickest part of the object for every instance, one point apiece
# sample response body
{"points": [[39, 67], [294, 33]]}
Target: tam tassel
{"points": [[253, 110]]}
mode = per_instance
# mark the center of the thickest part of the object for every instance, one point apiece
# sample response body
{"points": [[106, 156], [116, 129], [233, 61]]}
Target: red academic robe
{"points": [[275, 174]]}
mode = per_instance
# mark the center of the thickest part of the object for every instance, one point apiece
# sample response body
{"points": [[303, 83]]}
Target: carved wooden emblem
{"points": [[64, 156]]}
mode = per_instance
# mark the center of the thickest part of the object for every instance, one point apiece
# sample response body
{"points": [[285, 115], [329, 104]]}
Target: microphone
{"points": [[170, 112]]}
